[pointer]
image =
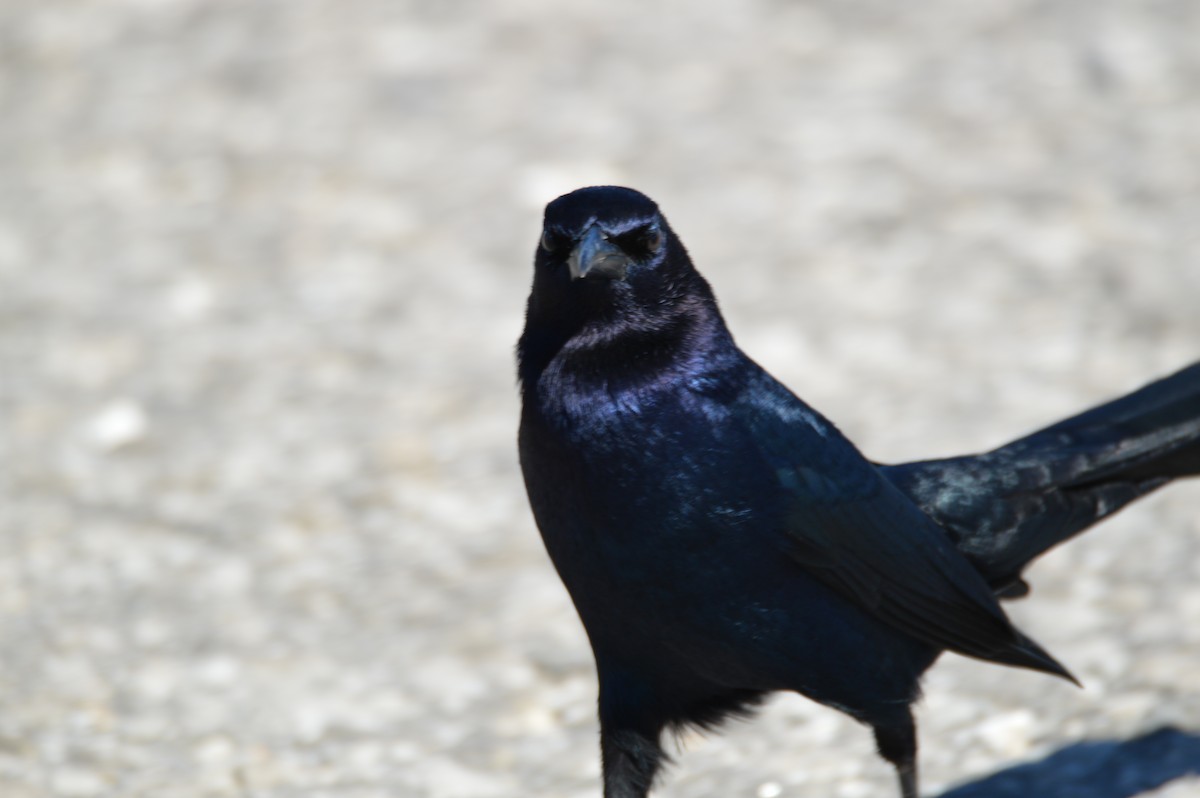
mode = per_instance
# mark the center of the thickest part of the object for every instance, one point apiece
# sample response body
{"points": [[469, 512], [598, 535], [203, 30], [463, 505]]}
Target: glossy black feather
{"points": [[1008, 506], [721, 539], [854, 531]]}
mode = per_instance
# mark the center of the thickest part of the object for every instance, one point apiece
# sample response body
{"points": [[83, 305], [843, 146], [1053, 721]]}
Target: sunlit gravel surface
{"points": [[262, 265]]}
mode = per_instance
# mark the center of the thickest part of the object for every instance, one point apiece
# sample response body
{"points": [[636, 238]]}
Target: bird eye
{"points": [[654, 240], [550, 242]]}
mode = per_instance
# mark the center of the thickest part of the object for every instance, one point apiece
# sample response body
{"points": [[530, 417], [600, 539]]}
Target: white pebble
{"points": [[118, 424], [769, 789]]}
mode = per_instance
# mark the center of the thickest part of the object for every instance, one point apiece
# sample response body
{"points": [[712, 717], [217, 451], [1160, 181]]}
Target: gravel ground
{"points": [[262, 265]]}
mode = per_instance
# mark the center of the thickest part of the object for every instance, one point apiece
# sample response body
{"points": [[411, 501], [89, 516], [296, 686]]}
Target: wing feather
{"points": [[852, 529]]}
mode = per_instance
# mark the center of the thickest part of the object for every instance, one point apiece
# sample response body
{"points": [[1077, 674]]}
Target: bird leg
{"points": [[897, 743], [908, 780], [629, 760]]}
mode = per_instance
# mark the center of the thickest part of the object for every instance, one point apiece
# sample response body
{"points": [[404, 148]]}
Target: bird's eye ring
{"points": [[654, 240], [550, 242]]}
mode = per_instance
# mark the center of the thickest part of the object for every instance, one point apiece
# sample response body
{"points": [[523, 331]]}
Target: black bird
{"points": [[722, 540]]}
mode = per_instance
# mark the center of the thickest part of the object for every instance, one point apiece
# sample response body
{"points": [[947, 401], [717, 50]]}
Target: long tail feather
{"points": [[1006, 507]]}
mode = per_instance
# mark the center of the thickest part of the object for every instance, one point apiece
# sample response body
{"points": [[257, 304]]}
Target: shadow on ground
{"points": [[1099, 769]]}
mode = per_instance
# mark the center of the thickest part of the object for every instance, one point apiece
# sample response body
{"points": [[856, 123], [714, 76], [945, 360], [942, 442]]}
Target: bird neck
{"points": [[633, 350]]}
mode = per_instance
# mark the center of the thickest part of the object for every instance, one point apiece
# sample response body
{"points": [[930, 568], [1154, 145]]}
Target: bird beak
{"points": [[595, 254]]}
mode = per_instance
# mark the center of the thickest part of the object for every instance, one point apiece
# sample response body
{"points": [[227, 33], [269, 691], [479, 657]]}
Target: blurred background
{"points": [[262, 267]]}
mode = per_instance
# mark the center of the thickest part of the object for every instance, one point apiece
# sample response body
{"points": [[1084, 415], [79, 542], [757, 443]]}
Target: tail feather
{"points": [[1152, 433], [1006, 507]]}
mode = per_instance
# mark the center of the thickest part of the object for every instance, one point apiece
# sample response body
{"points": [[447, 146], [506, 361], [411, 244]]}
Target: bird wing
{"points": [[852, 529]]}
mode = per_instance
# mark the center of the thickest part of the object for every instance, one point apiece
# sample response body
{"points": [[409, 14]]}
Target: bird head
{"points": [[601, 234], [610, 275], [607, 251]]}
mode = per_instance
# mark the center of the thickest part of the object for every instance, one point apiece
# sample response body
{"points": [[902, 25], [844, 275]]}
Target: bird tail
{"points": [[1006, 507], [1150, 434]]}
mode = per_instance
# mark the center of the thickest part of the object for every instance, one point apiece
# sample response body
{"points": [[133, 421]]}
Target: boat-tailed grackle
{"points": [[722, 540]]}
